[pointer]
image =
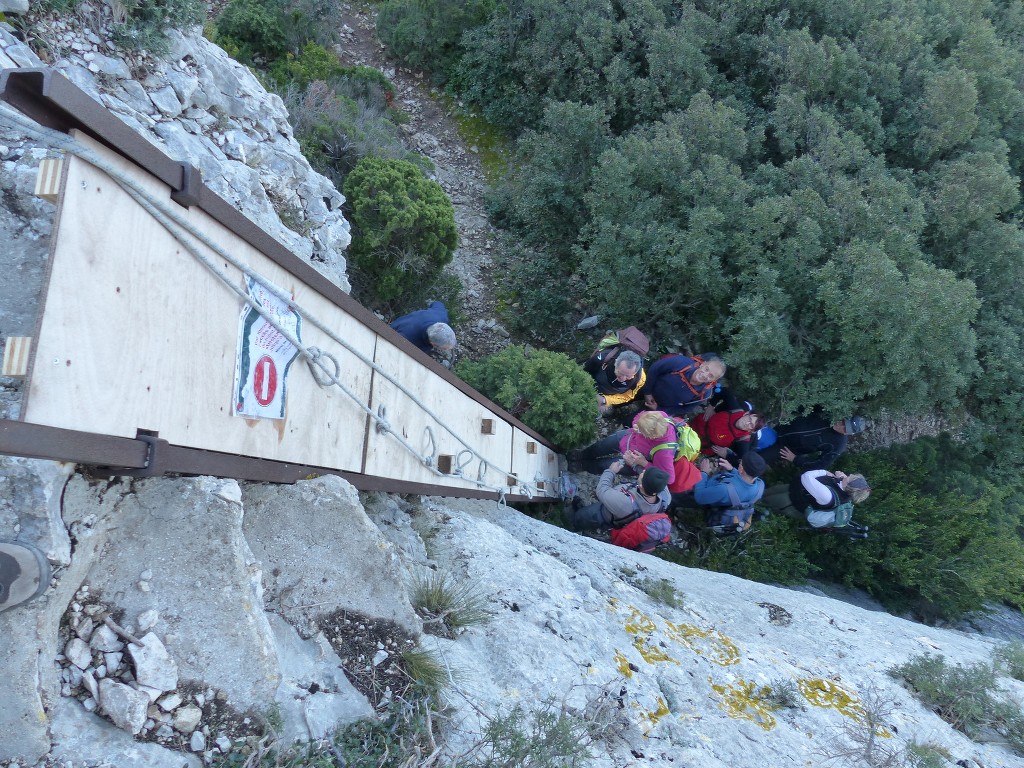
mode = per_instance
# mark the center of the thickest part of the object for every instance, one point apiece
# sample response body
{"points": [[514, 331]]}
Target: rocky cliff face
{"points": [[296, 601]]}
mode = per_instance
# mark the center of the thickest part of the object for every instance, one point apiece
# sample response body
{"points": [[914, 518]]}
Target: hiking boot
{"points": [[24, 574]]}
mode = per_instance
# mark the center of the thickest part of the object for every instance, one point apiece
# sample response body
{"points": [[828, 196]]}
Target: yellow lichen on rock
{"points": [[709, 643], [622, 664], [745, 700]]}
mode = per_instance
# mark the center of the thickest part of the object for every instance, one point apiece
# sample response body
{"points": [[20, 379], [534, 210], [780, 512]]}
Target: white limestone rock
{"points": [[125, 706]]}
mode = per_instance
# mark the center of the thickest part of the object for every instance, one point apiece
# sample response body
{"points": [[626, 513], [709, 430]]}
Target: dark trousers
{"points": [[590, 518], [597, 457]]}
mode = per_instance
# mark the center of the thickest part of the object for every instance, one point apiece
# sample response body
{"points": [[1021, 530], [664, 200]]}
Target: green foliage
{"points": [[927, 756], [963, 696], [833, 192], [448, 607], [425, 34], [769, 552], [252, 29], [547, 390], [549, 737], [314, 62], [662, 591], [145, 22], [403, 227], [427, 672], [389, 740], [944, 532], [1010, 659], [782, 693]]}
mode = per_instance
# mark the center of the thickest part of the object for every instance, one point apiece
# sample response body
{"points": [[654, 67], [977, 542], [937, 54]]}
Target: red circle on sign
{"points": [[264, 380]]}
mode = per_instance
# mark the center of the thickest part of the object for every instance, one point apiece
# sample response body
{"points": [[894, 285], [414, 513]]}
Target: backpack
{"points": [[631, 338], [687, 442], [643, 533], [733, 519], [843, 513]]}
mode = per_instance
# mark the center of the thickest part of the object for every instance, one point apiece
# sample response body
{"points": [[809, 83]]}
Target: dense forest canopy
{"points": [[828, 194]]}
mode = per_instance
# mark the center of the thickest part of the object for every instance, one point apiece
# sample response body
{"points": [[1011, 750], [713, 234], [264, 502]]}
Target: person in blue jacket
{"points": [[427, 328], [744, 481], [680, 385]]}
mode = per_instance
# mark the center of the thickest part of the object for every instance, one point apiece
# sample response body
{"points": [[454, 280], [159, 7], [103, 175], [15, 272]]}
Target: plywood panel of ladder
{"points": [[136, 334], [386, 457], [535, 464]]}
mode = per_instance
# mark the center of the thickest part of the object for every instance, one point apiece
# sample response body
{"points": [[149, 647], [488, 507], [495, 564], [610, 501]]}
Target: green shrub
{"points": [[403, 226], [145, 22], [769, 552], [548, 391], [1010, 659], [425, 34], [927, 756], [314, 62], [963, 696], [448, 607], [406, 729], [550, 737], [252, 28], [427, 672]]}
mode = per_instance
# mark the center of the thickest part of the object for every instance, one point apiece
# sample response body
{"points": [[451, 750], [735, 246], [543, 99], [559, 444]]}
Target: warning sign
{"points": [[264, 355]]}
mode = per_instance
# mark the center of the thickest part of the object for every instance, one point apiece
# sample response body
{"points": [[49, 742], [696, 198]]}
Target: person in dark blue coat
{"points": [[427, 328], [680, 385]]}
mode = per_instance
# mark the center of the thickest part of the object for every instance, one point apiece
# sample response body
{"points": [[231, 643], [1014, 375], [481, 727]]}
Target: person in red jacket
{"points": [[724, 431]]}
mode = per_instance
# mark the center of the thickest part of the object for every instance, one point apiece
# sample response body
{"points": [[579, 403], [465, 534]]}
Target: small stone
{"points": [[154, 667], [112, 660], [169, 702], [187, 718], [125, 707], [84, 628], [143, 586], [104, 639], [147, 620], [90, 704], [89, 681], [198, 742], [380, 657], [78, 653], [146, 575], [224, 744]]}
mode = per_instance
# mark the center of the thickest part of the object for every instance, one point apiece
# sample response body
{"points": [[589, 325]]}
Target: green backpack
{"points": [[843, 513]]}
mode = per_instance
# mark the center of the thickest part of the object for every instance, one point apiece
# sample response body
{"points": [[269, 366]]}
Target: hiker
{"points": [[651, 440], [818, 496], [812, 442], [680, 385], [725, 432], [744, 479], [616, 505], [728, 497], [427, 328], [24, 573], [618, 375]]}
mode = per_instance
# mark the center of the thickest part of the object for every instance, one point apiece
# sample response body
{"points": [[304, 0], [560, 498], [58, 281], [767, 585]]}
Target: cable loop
{"points": [[314, 361]]}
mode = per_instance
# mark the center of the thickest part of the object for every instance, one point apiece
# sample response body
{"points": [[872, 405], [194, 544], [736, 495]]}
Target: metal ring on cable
{"points": [[315, 365]]}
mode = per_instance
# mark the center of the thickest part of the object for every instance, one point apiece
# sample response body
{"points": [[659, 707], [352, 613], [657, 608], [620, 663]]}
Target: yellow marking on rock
{"points": [[745, 701], [653, 716], [650, 652], [709, 643], [622, 664]]}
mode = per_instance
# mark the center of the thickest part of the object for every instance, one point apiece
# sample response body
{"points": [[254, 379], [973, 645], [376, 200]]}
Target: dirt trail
{"points": [[432, 131]]}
